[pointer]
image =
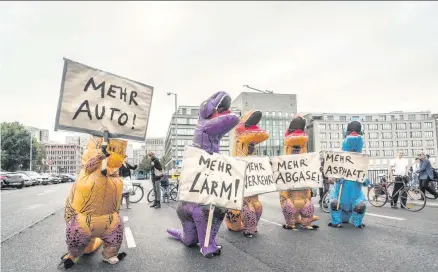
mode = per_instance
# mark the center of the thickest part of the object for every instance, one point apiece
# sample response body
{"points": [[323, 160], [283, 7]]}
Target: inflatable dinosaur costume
{"points": [[215, 120], [352, 205], [246, 135], [297, 205], [91, 209]]}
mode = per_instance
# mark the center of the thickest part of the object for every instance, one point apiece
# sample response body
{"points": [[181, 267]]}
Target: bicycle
{"points": [[167, 191], [434, 185], [326, 200], [408, 192], [136, 188]]}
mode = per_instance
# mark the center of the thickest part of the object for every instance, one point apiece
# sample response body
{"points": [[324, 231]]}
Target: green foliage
{"points": [[15, 145]]}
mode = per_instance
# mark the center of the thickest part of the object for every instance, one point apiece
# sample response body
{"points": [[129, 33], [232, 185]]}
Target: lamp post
{"points": [[176, 124], [30, 163]]}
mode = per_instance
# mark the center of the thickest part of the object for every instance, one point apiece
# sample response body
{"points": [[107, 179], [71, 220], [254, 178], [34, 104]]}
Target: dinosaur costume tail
{"points": [[93, 245]]}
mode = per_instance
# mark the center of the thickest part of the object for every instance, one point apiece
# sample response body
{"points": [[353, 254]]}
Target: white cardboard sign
{"points": [[91, 100], [259, 177], [212, 179], [298, 171], [346, 165]]}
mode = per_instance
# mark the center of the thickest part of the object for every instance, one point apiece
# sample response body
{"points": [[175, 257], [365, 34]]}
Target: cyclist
{"points": [[399, 169], [125, 173]]}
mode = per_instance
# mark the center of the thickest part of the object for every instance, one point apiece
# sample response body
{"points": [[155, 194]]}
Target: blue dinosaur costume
{"points": [[352, 203]]}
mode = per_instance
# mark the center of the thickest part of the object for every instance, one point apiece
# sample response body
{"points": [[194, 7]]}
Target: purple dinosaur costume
{"points": [[215, 120]]}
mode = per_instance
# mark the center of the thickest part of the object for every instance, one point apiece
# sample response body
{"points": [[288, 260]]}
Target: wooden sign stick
{"points": [[210, 220], [339, 197]]}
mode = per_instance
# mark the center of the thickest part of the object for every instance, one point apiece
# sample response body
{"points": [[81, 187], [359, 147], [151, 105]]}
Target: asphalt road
{"points": [[393, 240]]}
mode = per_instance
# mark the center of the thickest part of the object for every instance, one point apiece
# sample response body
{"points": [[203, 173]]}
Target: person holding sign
{"points": [[297, 205], [92, 207], [246, 135], [347, 202], [215, 120]]}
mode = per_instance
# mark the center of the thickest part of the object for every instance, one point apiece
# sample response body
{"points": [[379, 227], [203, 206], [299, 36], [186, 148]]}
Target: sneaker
{"points": [[158, 205], [154, 204]]}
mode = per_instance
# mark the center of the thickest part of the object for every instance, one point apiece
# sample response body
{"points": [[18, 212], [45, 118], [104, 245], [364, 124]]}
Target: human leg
{"points": [[289, 212], [395, 193], [78, 236], [428, 188], [233, 220], [307, 215], [157, 194], [249, 218], [112, 241]]}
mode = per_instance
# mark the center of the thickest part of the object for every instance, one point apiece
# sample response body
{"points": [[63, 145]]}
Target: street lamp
{"points": [[30, 164], [176, 124]]}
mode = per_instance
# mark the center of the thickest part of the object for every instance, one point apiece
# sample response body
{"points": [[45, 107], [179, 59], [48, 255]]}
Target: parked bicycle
{"points": [[136, 193], [170, 191], [326, 199], [411, 198]]}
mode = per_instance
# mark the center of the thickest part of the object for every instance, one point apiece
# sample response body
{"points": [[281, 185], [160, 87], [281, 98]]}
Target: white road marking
{"points": [[274, 223], [125, 219], [45, 192], [129, 238], [6, 192], [34, 206], [384, 216]]}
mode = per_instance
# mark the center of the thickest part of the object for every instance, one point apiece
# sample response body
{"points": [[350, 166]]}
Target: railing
{"points": [[373, 175]]}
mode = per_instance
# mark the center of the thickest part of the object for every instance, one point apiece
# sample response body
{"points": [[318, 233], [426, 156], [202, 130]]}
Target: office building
{"points": [[278, 110], [139, 154], [63, 158], [385, 134], [130, 153], [184, 125], [80, 140], [42, 135], [155, 145]]}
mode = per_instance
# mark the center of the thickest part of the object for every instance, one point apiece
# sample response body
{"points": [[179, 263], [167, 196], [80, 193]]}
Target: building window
{"points": [[387, 126], [195, 112], [417, 143], [373, 127], [334, 135], [429, 143], [334, 127], [400, 126], [416, 125], [428, 134], [387, 144], [183, 111], [322, 135], [387, 135], [411, 117], [430, 151], [416, 152], [189, 111], [324, 145], [374, 135], [401, 117], [388, 153], [428, 125], [374, 144], [368, 118], [343, 118], [322, 127], [334, 145], [401, 134], [404, 151], [374, 153], [424, 116], [330, 118], [355, 118], [402, 143], [416, 134]]}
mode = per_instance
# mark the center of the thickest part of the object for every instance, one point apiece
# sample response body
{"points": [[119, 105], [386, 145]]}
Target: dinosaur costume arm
{"points": [[94, 162]]}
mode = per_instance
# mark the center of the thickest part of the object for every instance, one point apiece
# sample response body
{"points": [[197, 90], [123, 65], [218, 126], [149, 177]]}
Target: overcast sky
{"points": [[336, 56]]}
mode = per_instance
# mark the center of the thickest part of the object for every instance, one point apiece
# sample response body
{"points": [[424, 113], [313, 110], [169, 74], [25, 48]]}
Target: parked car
{"points": [[141, 175], [54, 179], [12, 180], [27, 180], [36, 177], [70, 178]]}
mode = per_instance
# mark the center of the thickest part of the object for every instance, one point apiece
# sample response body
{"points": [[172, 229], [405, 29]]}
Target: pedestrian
{"points": [[399, 169], [413, 170], [125, 173], [426, 174], [157, 175], [325, 183]]}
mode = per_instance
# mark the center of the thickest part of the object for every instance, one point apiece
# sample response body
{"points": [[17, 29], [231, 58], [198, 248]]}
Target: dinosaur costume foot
{"points": [[310, 227], [210, 252], [248, 235], [68, 261], [335, 225], [115, 259], [360, 226], [292, 227]]}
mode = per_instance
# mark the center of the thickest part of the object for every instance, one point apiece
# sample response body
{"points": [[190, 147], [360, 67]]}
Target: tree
{"points": [[15, 146], [145, 164]]}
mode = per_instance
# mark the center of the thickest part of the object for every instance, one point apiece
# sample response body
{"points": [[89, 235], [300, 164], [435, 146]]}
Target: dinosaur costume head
{"points": [[353, 140], [247, 134], [295, 138], [215, 120], [116, 148]]}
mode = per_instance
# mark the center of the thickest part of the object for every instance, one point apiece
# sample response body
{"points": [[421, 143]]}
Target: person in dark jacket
{"points": [[157, 175], [425, 175], [125, 173], [325, 183]]}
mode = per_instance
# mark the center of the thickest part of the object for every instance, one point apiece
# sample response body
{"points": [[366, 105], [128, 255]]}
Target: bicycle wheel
{"points": [[412, 199], [433, 185], [377, 196], [174, 193], [136, 194], [151, 196], [326, 202]]}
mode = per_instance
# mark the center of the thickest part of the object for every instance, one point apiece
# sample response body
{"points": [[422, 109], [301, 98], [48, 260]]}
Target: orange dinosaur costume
{"points": [[91, 209], [246, 135]]}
